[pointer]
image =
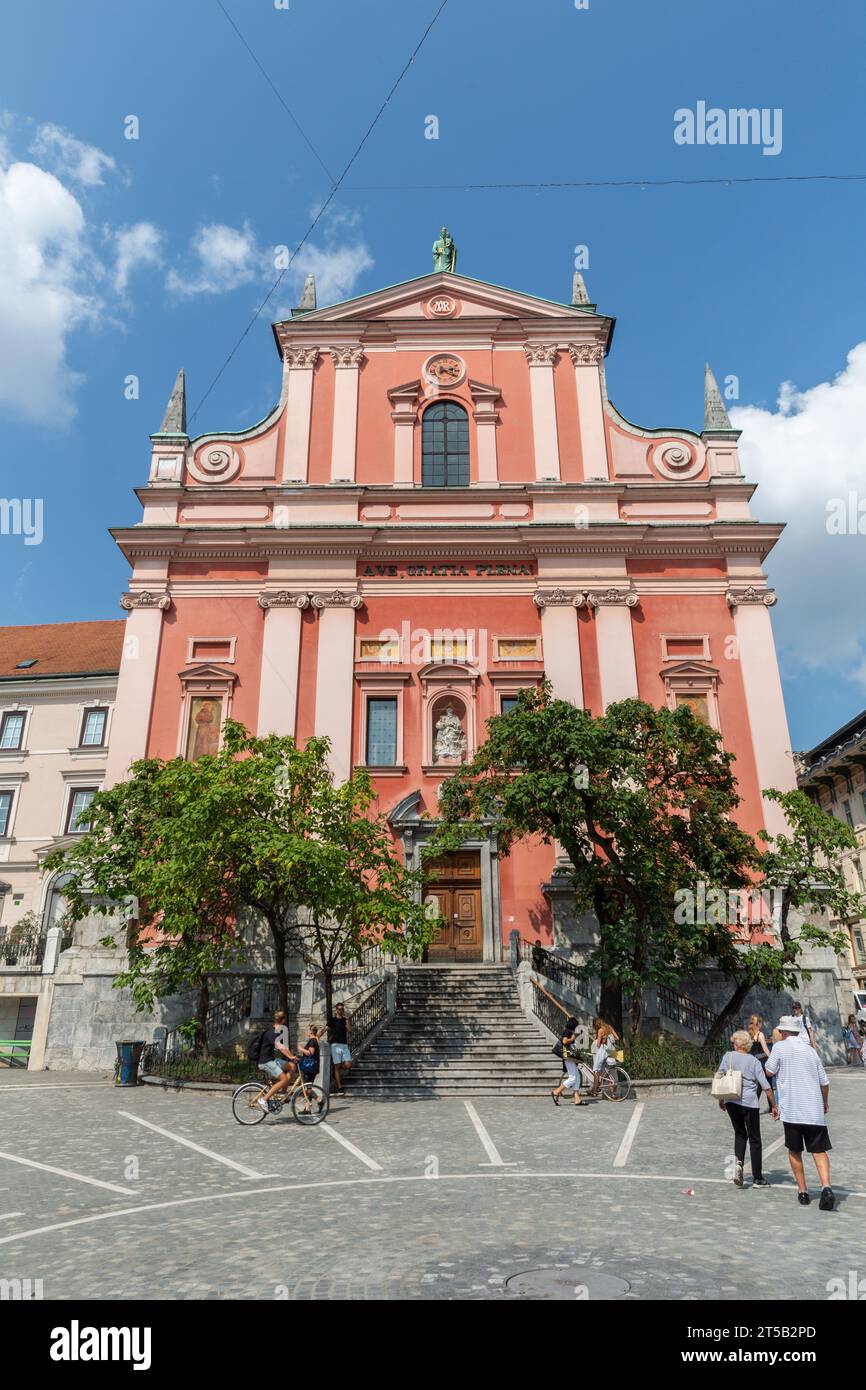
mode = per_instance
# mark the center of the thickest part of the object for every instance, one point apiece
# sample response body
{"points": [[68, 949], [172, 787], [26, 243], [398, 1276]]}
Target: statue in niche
{"points": [[444, 251], [450, 740]]}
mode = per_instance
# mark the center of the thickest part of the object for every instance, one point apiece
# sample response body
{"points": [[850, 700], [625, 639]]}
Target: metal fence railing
{"points": [[559, 970], [14, 1052], [368, 1015], [688, 1013]]}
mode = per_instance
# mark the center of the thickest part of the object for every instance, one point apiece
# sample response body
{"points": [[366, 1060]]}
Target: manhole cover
{"points": [[576, 1282]]}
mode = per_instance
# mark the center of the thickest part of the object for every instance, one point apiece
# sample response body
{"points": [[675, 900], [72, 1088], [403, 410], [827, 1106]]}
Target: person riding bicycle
{"points": [[308, 1063], [282, 1073]]}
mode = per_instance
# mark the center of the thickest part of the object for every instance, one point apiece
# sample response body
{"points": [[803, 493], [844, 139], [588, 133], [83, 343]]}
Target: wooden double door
{"points": [[454, 893]]}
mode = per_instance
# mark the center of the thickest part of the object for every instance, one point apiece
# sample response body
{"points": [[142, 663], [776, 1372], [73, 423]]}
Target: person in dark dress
{"points": [[341, 1056], [571, 1080], [759, 1049]]}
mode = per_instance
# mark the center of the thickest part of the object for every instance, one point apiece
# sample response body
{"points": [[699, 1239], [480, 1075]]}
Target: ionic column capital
{"points": [[750, 594], [338, 598], [146, 598], [609, 598], [282, 598], [558, 598]]}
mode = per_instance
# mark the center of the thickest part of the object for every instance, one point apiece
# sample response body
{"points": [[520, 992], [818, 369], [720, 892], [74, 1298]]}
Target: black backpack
{"points": [[254, 1046]]}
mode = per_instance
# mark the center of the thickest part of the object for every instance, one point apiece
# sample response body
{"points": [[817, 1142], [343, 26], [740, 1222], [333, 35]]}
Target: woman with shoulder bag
{"points": [[736, 1085], [571, 1081]]}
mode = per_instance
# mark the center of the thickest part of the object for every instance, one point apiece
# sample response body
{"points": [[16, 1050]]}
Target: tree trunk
{"points": [[731, 1008], [202, 1004], [610, 1002]]}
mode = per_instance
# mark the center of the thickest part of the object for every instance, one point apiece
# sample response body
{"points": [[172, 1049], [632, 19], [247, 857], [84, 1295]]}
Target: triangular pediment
{"points": [[690, 669], [410, 299]]}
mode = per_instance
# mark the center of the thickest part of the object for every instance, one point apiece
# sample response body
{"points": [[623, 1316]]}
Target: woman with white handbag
{"points": [[737, 1086]]}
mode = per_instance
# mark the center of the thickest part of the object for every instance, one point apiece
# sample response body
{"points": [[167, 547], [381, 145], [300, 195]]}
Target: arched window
{"points": [[445, 446]]}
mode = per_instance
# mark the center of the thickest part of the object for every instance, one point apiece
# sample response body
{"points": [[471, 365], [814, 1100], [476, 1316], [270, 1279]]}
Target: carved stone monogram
{"points": [[586, 354], [347, 356], [750, 594], [282, 598], [145, 598], [540, 354], [450, 740]]}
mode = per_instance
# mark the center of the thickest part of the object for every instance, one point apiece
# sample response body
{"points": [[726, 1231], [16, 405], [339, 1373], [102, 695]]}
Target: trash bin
{"points": [[128, 1058]]}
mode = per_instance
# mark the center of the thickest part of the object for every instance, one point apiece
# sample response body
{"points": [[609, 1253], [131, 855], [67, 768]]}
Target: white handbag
{"points": [[727, 1085]]}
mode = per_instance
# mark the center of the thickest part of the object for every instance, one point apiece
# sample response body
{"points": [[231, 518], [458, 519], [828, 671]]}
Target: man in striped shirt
{"points": [[802, 1088]]}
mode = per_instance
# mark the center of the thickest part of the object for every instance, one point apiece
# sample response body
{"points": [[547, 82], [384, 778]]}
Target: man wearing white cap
{"points": [[802, 1088]]}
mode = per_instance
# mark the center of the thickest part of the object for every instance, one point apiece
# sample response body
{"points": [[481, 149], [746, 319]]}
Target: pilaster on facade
{"points": [[541, 358], [404, 415], [347, 363], [280, 660], [136, 680], [486, 417], [587, 359], [614, 635], [299, 364], [561, 641]]}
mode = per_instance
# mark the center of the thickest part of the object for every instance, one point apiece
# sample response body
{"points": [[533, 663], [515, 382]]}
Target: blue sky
{"points": [[122, 257]]}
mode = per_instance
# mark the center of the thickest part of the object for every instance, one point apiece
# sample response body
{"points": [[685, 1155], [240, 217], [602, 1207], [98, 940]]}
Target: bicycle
{"points": [[310, 1104], [614, 1083]]}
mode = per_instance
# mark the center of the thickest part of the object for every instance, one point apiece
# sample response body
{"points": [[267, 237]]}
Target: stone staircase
{"points": [[458, 1030]]}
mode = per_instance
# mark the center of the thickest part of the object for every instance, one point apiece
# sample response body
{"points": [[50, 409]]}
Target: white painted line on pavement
{"points": [[65, 1173], [568, 1177], [347, 1144], [490, 1148], [771, 1148], [8, 1215], [188, 1143], [624, 1149], [32, 1088]]}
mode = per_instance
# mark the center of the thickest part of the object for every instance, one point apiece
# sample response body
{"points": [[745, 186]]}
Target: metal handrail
{"points": [[16, 1044], [689, 1013], [368, 1015]]}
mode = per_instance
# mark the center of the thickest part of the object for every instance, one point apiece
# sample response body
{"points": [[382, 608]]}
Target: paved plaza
{"points": [[104, 1194]]}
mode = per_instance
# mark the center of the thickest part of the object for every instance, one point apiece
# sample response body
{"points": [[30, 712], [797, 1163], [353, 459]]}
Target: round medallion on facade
{"points": [[444, 369], [676, 459], [442, 306], [215, 463]]}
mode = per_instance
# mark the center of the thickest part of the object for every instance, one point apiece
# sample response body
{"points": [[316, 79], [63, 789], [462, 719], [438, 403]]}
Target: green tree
{"points": [[801, 872], [259, 828], [642, 802]]}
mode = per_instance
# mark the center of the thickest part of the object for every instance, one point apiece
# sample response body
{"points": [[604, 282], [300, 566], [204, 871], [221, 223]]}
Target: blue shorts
{"points": [[274, 1069], [340, 1054]]}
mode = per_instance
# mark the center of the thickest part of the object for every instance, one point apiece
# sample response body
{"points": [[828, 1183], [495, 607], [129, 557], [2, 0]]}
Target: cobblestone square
{"points": [[128, 1194]]}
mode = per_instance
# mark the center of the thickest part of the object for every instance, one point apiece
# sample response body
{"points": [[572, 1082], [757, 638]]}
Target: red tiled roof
{"points": [[61, 649]]}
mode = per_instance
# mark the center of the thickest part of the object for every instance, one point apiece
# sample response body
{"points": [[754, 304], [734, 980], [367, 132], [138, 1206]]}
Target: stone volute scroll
{"points": [[750, 594], [338, 598], [145, 598], [282, 598], [559, 598]]}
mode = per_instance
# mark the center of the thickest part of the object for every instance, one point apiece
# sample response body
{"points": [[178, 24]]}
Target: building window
{"points": [[93, 728], [445, 446], [5, 812], [79, 800], [859, 945], [205, 722], [685, 646], [12, 729], [846, 810], [381, 745], [698, 704], [507, 703]]}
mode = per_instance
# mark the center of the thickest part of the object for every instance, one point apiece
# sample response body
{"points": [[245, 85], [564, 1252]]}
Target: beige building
{"points": [[834, 774], [57, 692]]}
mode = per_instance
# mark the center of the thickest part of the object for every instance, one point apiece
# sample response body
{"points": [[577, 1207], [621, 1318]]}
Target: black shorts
{"points": [[813, 1138]]}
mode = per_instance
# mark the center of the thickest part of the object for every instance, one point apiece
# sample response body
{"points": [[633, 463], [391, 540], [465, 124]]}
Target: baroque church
{"points": [[443, 508]]}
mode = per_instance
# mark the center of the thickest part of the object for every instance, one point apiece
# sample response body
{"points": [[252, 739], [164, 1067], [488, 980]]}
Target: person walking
{"points": [[853, 1042], [807, 1032], [759, 1048], [745, 1113], [604, 1040], [571, 1079], [804, 1091], [341, 1056]]}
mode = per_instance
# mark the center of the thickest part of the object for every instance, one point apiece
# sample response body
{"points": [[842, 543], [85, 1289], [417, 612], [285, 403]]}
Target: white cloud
{"points": [[71, 158], [135, 247], [807, 457], [222, 259], [48, 281], [337, 270]]}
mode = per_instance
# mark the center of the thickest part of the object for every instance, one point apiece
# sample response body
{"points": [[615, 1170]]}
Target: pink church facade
{"points": [[443, 508]]}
